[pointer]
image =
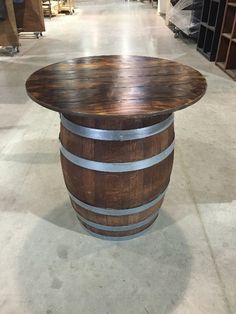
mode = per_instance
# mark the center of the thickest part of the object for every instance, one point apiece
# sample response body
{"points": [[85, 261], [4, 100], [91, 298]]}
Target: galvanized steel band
{"points": [[118, 228], [116, 135], [117, 167], [117, 212]]}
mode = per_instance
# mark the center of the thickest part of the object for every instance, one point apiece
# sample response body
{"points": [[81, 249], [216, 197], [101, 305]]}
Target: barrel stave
{"points": [[118, 190], [110, 220], [116, 151], [118, 234]]}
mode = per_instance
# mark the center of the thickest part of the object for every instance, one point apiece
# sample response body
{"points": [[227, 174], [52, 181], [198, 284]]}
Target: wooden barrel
{"points": [[117, 171], [117, 134]]}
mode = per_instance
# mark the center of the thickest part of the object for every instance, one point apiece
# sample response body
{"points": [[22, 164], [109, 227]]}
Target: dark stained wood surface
{"points": [[116, 220], [118, 233], [115, 123], [117, 151], [116, 86], [117, 190]]}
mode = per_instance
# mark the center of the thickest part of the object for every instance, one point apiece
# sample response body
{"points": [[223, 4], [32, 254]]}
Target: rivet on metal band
{"points": [[117, 167], [116, 135], [118, 228], [117, 212]]}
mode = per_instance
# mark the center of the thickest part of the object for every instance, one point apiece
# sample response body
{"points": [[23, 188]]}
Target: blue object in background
{"points": [[18, 1]]}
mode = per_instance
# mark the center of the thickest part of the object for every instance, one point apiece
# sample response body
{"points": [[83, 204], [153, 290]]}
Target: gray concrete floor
{"points": [[186, 262]]}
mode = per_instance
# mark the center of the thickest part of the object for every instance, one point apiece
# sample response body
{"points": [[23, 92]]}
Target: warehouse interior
{"points": [[185, 263]]}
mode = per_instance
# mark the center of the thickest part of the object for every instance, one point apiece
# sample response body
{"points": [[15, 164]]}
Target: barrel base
{"points": [[117, 238]]}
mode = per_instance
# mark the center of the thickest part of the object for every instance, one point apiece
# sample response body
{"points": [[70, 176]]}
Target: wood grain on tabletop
{"points": [[121, 93], [116, 86]]}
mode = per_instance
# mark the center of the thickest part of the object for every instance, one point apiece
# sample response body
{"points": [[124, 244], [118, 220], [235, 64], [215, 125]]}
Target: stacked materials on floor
{"points": [[55, 7], [51, 8], [185, 15]]}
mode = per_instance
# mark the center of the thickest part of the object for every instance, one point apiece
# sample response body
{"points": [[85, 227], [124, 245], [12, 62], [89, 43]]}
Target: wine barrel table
{"points": [[117, 134]]}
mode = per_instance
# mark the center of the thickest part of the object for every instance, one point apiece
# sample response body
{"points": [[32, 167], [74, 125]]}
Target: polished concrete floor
{"points": [[48, 264]]}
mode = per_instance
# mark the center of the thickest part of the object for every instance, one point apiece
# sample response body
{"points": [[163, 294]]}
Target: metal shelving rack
{"points": [[211, 22], [226, 54]]}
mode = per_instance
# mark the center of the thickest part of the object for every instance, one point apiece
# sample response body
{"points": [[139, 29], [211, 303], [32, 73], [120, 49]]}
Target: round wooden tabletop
{"points": [[116, 86]]}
